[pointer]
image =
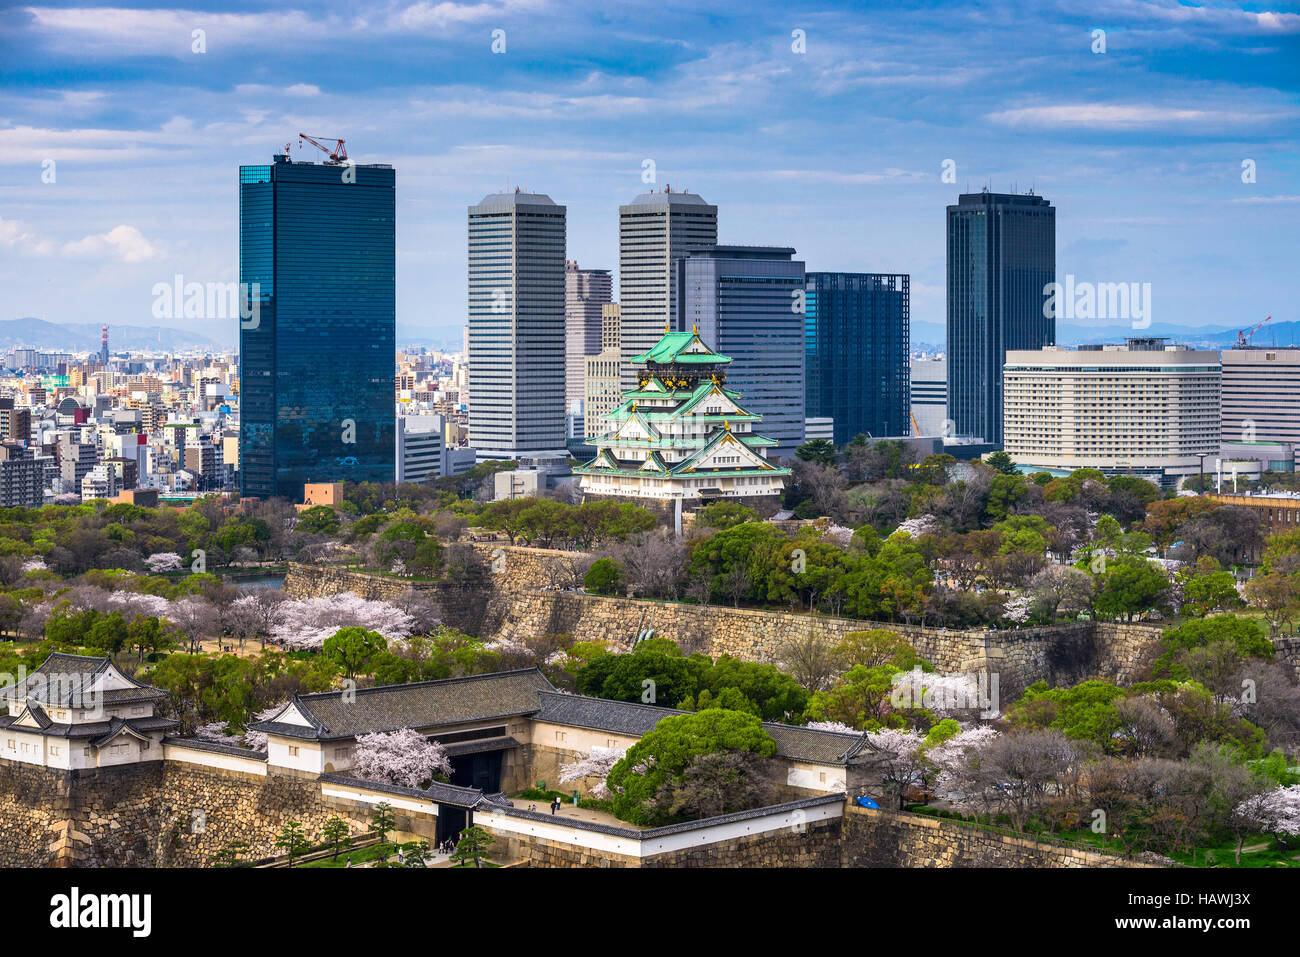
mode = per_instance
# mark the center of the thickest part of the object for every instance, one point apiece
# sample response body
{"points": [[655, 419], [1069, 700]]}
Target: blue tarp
{"points": [[865, 801]]}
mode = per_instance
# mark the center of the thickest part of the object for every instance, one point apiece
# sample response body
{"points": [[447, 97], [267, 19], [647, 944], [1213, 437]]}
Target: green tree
{"points": [[1130, 586], [319, 519], [1244, 638], [382, 821], [337, 833], [662, 756], [603, 576], [1002, 462], [723, 515], [1207, 587], [229, 854], [291, 840], [821, 451], [472, 845], [860, 699], [354, 649]]}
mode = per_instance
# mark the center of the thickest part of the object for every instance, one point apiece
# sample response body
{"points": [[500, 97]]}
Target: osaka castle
{"points": [[681, 434]]}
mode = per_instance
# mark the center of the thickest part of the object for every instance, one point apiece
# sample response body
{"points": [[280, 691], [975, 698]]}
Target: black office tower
{"points": [[1001, 259]]}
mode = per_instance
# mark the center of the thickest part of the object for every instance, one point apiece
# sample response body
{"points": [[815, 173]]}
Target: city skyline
{"points": [[782, 142]]}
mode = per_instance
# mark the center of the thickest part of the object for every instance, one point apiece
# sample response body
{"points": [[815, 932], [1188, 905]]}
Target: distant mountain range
{"points": [[84, 337], [935, 334]]}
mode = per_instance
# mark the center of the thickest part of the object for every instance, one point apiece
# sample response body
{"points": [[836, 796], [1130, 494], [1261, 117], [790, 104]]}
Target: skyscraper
{"points": [[654, 230], [516, 325], [317, 352], [1001, 256], [856, 347], [742, 299], [585, 292]]}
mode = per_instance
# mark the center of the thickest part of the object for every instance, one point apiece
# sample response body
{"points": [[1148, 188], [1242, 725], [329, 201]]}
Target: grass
{"points": [[1258, 850], [360, 856]]}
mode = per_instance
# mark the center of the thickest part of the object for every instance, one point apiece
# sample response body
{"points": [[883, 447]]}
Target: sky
{"points": [[1165, 134]]}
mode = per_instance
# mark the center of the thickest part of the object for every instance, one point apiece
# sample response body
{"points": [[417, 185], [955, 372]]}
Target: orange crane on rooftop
{"points": [[338, 154]]}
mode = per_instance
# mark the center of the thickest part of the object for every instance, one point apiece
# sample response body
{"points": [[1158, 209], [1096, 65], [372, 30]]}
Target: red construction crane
{"points": [[338, 154], [1243, 337]]}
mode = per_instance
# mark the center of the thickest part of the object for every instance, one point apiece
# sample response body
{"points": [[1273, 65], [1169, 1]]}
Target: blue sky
{"points": [[837, 151]]}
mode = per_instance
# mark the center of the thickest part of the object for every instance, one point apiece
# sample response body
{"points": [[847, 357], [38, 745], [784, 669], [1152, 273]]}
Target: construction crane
{"points": [[338, 154], [1243, 337]]}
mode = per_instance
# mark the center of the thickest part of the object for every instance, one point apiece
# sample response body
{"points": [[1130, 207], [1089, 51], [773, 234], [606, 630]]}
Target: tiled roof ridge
{"points": [[319, 695]]}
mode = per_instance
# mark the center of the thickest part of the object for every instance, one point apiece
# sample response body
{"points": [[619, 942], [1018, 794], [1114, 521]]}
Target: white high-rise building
{"points": [[1146, 409], [654, 230], [930, 397], [516, 325], [421, 448]]}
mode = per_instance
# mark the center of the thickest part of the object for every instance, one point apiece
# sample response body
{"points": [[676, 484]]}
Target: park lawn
{"points": [[360, 856]]}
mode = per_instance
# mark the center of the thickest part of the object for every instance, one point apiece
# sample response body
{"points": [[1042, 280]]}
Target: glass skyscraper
{"points": [[741, 300], [856, 328], [317, 354], [1001, 256]]}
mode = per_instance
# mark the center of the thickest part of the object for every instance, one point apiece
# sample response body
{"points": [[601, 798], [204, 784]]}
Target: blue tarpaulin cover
{"points": [[865, 801]]}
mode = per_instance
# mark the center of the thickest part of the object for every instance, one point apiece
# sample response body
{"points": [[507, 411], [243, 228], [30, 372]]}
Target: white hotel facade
{"points": [[1146, 408]]}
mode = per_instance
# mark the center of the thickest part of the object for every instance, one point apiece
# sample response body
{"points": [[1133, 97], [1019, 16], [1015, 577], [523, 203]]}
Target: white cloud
{"points": [[124, 243], [14, 236], [1126, 117], [1251, 200], [264, 89]]}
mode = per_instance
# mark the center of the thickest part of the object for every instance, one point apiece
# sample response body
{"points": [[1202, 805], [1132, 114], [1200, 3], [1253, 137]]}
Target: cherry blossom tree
{"points": [[404, 757], [257, 739], [216, 732], [1275, 812], [306, 623], [837, 726], [956, 756], [921, 525], [196, 618], [903, 766], [595, 763], [946, 695], [132, 603], [34, 565], [255, 614], [163, 562]]}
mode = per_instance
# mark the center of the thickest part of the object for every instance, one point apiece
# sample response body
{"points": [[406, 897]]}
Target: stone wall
{"points": [[152, 814], [505, 592], [873, 838]]}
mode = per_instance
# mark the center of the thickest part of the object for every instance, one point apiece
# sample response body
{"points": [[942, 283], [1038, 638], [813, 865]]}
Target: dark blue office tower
{"points": [[317, 352], [856, 352], [1001, 258]]}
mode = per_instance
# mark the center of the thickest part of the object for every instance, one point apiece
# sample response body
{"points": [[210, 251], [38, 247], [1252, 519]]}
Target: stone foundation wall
{"points": [[516, 593], [890, 839], [153, 814], [818, 844]]}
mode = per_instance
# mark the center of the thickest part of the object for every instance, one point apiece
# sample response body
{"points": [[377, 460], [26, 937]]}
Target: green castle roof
{"points": [[673, 346]]}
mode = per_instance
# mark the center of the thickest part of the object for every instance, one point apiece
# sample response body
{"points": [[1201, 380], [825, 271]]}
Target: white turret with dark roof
{"points": [[76, 711]]}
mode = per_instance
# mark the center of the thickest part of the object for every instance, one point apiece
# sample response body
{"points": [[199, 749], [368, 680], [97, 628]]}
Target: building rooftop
{"points": [[633, 718], [346, 714], [65, 680]]}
